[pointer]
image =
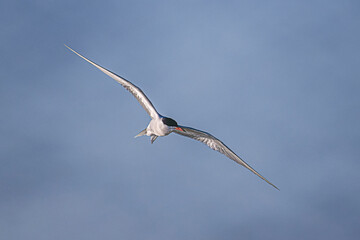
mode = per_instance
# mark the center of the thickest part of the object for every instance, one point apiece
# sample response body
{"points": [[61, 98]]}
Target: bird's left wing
{"points": [[217, 145], [138, 94]]}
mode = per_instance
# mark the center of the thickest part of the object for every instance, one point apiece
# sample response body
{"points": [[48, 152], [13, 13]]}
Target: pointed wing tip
{"points": [[271, 184], [275, 187], [73, 50], [265, 180], [67, 46]]}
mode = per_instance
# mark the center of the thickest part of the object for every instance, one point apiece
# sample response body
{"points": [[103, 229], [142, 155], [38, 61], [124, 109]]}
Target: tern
{"points": [[162, 126]]}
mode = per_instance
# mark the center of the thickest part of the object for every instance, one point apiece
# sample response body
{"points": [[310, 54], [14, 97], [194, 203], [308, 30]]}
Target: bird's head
{"points": [[172, 124]]}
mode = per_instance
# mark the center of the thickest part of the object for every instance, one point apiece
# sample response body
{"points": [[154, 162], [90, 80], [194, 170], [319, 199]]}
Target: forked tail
{"points": [[142, 133]]}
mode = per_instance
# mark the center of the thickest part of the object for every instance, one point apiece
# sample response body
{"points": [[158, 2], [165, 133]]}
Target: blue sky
{"points": [[277, 81]]}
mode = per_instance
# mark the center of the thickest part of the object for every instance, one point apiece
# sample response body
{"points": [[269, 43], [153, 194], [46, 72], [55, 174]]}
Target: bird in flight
{"points": [[163, 126]]}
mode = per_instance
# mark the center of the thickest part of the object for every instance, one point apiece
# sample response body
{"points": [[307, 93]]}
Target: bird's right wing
{"points": [[217, 145], [138, 94]]}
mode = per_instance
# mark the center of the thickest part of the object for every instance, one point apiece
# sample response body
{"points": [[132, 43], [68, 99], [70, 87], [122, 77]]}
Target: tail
{"points": [[142, 133]]}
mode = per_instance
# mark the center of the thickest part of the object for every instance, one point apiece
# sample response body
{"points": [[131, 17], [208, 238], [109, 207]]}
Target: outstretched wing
{"points": [[217, 145], [138, 94]]}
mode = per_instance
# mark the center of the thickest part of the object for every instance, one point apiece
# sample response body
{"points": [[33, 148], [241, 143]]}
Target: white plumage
{"points": [[162, 126]]}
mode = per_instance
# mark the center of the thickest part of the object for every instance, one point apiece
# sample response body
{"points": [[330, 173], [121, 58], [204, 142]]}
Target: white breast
{"points": [[158, 128]]}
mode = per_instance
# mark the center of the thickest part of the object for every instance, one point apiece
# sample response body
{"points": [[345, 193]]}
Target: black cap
{"points": [[169, 122]]}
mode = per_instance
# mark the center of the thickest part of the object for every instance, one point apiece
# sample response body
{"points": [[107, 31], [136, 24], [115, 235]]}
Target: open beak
{"points": [[180, 129]]}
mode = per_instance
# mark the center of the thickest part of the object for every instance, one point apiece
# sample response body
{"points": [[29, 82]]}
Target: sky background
{"points": [[277, 81]]}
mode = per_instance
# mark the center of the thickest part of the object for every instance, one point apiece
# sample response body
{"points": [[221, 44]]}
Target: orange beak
{"points": [[180, 129]]}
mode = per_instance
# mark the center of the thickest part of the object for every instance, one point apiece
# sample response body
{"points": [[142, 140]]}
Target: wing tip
{"points": [[275, 186], [68, 47], [268, 182]]}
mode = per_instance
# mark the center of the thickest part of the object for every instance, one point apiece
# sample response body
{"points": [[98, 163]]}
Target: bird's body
{"points": [[160, 126]]}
